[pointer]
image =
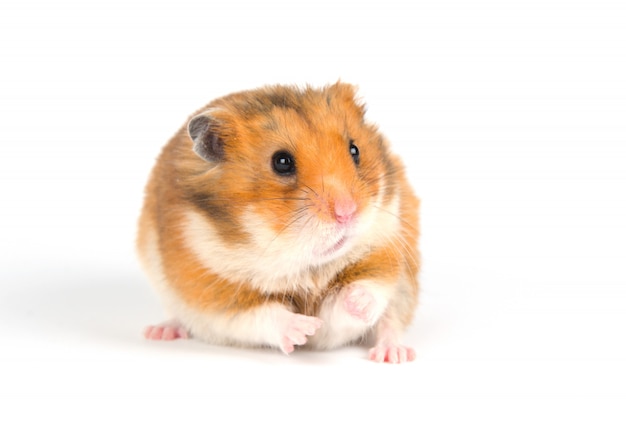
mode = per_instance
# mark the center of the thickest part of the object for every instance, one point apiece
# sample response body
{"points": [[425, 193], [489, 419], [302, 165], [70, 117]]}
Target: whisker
{"points": [[298, 215], [402, 220], [232, 200], [399, 242], [306, 186]]}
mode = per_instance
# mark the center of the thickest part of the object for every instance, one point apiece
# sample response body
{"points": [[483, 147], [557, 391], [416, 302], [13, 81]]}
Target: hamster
{"points": [[279, 217]]}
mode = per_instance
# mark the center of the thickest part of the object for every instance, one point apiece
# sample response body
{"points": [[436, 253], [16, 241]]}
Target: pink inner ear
{"points": [[205, 134]]}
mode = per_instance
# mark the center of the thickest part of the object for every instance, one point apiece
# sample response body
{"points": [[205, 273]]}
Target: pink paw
{"points": [[359, 303], [166, 331], [394, 354], [296, 329]]}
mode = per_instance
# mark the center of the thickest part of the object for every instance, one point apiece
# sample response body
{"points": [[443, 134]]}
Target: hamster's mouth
{"points": [[334, 248]]}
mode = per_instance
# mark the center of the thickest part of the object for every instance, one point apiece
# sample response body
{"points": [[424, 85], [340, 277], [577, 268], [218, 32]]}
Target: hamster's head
{"points": [[295, 177]]}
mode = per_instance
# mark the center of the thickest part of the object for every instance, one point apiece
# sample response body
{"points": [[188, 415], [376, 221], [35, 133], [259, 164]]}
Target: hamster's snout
{"points": [[344, 210], [339, 225], [336, 223], [334, 202]]}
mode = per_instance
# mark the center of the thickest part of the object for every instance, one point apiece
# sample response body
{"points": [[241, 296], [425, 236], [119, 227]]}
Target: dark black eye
{"points": [[354, 151], [283, 163]]}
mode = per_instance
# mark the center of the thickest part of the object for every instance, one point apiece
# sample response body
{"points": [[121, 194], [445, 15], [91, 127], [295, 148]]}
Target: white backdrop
{"points": [[511, 118]]}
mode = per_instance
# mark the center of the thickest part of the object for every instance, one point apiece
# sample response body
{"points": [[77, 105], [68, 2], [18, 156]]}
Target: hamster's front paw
{"points": [[360, 302], [295, 329]]}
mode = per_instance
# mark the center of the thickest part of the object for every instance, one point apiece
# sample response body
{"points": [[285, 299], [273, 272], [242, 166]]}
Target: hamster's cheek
{"points": [[203, 239], [378, 221], [301, 241], [275, 247]]}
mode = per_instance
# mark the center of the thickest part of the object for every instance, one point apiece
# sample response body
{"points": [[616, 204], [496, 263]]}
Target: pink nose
{"points": [[345, 210]]}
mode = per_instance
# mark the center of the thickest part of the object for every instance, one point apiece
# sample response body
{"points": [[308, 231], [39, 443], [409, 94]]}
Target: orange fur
{"points": [[315, 126]]}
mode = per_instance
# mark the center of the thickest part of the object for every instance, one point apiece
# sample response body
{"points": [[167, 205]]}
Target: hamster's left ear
{"points": [[207, 142]]}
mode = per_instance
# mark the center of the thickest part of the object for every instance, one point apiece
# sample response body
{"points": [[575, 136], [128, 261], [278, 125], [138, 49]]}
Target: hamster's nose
{"points": [[345, 210]]}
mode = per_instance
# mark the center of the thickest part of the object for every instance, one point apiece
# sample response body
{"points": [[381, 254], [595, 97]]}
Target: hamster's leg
{"points": [[388, 347], [294, 328], [274, 326], [166, 331], [367, 302], [351, 313], [358, 308], [362, 301], [377, 296], [268, 324]]}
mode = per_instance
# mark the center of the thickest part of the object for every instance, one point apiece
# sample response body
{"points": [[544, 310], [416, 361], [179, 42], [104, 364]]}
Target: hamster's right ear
{"points": [[207, 142]]}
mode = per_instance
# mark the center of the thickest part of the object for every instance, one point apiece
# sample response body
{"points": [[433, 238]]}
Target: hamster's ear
{"points": [[207, 142], [346, 96]]}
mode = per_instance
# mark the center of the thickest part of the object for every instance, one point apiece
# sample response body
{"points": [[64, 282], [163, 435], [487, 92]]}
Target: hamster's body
{"points": [[278, 217]]}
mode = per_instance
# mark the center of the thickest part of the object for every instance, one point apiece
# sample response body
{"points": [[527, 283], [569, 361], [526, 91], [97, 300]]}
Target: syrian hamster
{"points": [[279, 217]]}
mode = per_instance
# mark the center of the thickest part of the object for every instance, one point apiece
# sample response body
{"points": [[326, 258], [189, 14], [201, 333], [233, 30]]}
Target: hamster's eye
{"points": [[354, 151], [283, 163]]}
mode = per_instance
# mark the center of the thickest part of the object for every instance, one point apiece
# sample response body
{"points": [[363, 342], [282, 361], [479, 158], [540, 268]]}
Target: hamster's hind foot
{"points": [[166, 331], [388, 347], [394, 354]]}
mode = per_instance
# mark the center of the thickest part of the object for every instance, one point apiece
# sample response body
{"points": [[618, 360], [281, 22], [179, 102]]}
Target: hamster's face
{"points": [[297, 178]]}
